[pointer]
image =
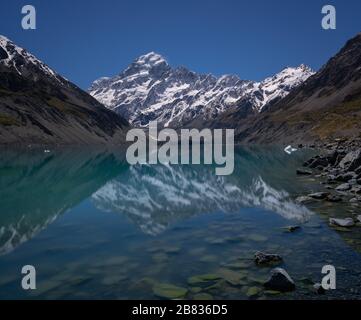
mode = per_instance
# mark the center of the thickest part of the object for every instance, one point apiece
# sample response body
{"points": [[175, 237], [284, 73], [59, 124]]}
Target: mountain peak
{"points": [[301, 68], [24, 63], [152, 59], [150, 63], [149, 89]]}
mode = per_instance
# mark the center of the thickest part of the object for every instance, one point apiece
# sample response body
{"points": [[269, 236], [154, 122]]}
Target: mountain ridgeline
{"points": [[296, 105], [38, 106], [149, 89], [326, 107]]}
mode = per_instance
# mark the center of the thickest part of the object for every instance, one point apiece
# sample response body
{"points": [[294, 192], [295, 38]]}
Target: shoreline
{"points": [[338, 169]]}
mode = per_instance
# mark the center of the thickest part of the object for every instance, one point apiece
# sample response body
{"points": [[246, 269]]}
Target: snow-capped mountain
{"points": [[24, 63], [277, 87], [39, 106], [150, 89]]}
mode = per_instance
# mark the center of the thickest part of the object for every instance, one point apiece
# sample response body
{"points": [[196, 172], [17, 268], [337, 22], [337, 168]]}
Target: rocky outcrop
{"points": [[280, 281]]}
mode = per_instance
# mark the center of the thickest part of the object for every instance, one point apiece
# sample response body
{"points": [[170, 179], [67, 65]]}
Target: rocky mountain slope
{"points": [[325, 107], [150, 89], [38, 106]]}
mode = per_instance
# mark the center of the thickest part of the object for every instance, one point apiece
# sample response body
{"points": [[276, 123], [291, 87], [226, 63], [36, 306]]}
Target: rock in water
{"points": [[333, 198], [253, 291], [304, 199], [291, 228], [343, 187], [280, 281], [265, 258], [317, 288], [304, 172], [355, 200], [319, 162], [169, 291], [346, 177], [348, 222], [319, 195], [203, 296]]}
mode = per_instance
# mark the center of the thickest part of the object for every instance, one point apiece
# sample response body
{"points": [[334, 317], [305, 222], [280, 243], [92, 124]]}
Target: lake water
{"points": [[97, 228]]}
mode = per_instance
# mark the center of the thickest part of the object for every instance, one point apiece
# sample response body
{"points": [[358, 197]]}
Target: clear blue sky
{"points": [[86, 39]]}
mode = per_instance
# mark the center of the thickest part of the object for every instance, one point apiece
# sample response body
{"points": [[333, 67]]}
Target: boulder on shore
{"points": [[351, 161]]}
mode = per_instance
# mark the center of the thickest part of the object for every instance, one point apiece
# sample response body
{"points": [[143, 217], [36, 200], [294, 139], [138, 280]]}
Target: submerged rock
{"points": [[232, 277], [203, 278], [317, 288], [280, 281], [304, 199], [195, 289], [237, 264], [291, 228], [318, 162], [203, 296], [348, 222], [169, 291], [304, 172], [334, 198], [253, 291], [262, 258], [319, 195]]}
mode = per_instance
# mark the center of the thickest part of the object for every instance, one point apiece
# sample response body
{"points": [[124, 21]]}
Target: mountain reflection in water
{"points": [[96, 228], [36, 187]]}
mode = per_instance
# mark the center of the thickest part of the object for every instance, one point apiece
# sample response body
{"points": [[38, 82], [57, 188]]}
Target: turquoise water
{"points": [[96, 228]]}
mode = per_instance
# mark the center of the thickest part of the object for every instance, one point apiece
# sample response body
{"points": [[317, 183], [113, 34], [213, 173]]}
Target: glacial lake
{"points": [[96, 228]]}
